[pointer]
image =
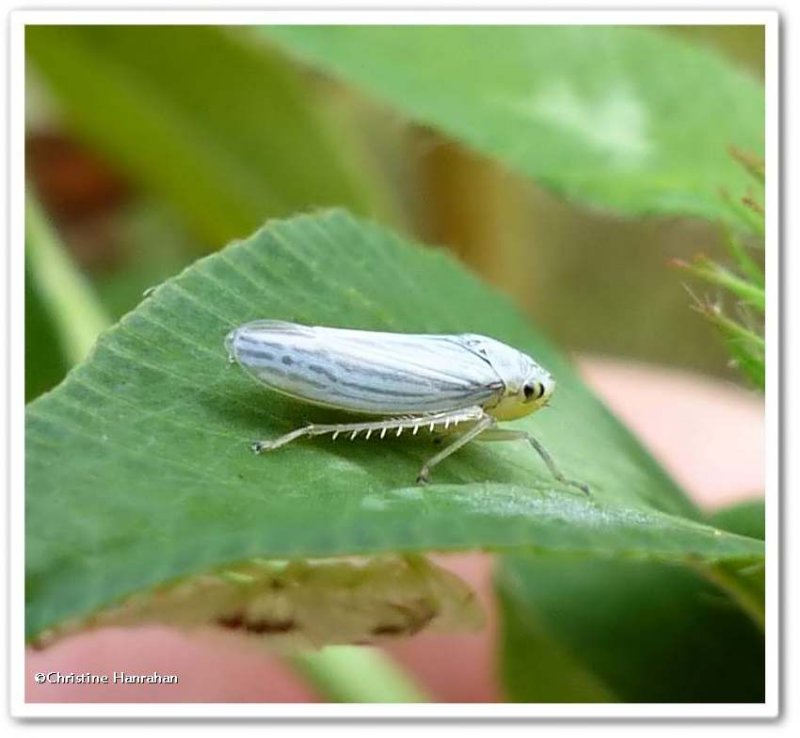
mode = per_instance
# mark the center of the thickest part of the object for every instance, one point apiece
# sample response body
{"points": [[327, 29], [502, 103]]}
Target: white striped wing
{"points": [[364, 371]]}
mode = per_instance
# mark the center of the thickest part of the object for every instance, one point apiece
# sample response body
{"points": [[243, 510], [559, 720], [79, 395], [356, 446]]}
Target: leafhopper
{"points": [[461, 385]]}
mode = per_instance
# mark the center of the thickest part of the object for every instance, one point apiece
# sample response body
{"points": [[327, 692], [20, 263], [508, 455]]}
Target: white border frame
{"points": [[18, 21]]}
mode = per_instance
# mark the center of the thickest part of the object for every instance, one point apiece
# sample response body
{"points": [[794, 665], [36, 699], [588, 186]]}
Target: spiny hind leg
{"points": [[507, 434], [337, 429], [383, 426], [270, 445]]}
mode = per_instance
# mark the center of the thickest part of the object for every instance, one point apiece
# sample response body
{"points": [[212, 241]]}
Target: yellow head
{"points": [[534, 393], [526, 385]]}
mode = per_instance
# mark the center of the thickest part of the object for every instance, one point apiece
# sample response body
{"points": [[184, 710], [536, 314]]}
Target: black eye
{"points": [[533, 391]]}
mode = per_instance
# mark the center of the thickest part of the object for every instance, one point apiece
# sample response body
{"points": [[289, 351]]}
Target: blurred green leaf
{"points": [[597, 631], [625, 118], [139, 469], [744, 582], [632, 631], [744, 518], [206, 118]]}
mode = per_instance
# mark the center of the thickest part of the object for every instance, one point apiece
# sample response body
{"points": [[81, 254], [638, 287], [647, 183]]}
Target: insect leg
{"points": [[259, 446], [485, 421], [351, 430], [506, 434], [317, 430]]}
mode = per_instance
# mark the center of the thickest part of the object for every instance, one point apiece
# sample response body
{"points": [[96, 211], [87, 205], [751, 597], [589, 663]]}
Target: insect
{"points": [[457, 384]]}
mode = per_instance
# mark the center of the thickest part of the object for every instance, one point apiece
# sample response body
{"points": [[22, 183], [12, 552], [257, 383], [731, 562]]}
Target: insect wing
{"points": [[364, 371]]}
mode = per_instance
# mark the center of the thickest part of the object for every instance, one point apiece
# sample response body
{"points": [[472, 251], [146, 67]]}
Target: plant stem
{"points": [[752, 294], [746, 264], [357, 674], [77, 315]]}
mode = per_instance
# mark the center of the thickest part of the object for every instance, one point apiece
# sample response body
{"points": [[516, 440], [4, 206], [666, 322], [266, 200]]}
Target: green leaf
{"points": [[744, 582], [625, 118], [745, 518], [632, 631], [210, 121], [139, 469]]}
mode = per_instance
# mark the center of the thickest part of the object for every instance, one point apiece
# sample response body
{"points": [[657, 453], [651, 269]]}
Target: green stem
{"points": [[357, 674], [751, 220], [749, 293], [746, 264], [67, 295], [735, 331]]}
